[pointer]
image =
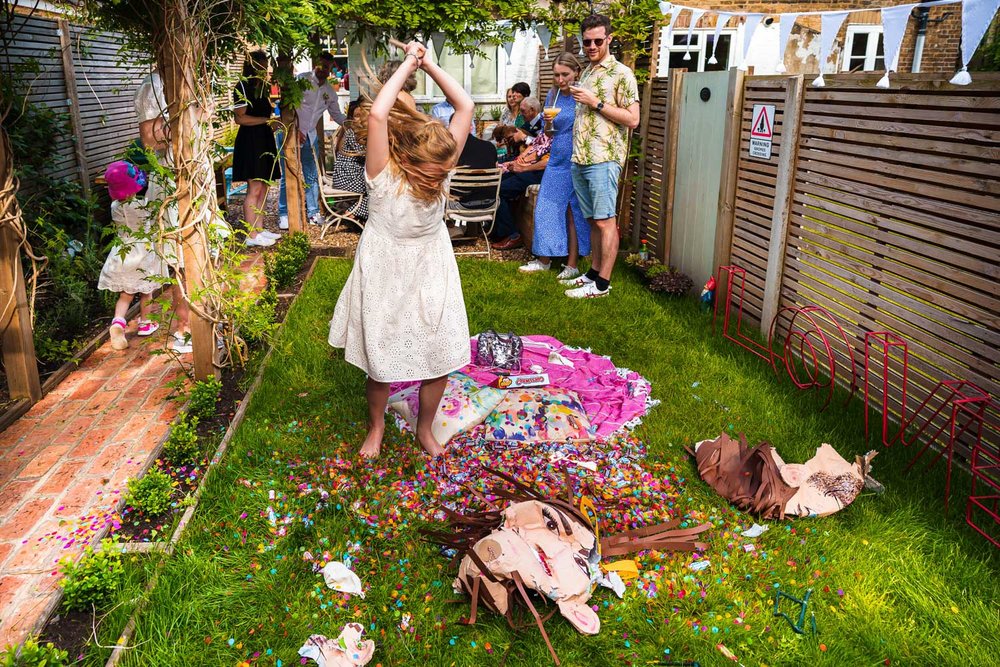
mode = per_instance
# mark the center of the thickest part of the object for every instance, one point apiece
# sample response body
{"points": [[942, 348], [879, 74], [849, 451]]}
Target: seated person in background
{"points": [[349, 166], [443, 111], [512, 111], [534, 121], [526, 170], [477, 154], [506, 148]]}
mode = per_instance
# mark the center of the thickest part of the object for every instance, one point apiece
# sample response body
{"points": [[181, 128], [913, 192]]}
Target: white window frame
{"points": [[874, 32], [700, 52], [434, 95]]}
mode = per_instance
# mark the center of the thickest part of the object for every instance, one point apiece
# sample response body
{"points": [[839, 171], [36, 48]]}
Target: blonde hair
{"points": [[420, 148]]}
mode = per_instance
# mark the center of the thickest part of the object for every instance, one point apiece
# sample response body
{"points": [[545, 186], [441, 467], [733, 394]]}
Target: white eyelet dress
{"points": [[401, 315]]}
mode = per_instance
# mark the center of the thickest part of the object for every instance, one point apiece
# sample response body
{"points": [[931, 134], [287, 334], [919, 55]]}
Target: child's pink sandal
{"points": [[117, 332], [147, 328]]}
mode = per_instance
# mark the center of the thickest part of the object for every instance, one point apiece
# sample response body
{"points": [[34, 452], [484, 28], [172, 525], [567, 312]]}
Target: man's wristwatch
{"points": [[599, 107]]}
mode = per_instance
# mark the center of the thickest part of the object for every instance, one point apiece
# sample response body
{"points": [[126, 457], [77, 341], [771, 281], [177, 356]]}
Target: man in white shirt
{"points": [[317, 99]]}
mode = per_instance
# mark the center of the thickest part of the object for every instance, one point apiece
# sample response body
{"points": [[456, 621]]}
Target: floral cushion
{"points": [[464, 405], [547, 414]]}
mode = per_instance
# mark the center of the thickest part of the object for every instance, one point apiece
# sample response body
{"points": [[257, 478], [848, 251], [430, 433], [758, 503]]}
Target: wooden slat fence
{"points": [[38, 43], [892, 222], [105, 79], [649, 198], [895, 222], [755, 191]]}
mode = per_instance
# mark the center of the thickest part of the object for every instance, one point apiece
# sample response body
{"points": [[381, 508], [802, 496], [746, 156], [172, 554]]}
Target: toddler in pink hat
{"points": [[134, 265]]}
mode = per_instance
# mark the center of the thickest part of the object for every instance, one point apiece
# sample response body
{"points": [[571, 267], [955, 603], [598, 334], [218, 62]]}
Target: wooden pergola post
{"points": [[295, 194], [179, 47], [16, 336]]}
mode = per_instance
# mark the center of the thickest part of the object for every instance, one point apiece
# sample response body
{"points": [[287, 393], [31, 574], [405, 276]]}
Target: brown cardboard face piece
{"points": [[759, 481]]}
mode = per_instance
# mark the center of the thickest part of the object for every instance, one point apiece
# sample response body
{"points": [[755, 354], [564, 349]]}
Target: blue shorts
{"points": [[596, 187]]}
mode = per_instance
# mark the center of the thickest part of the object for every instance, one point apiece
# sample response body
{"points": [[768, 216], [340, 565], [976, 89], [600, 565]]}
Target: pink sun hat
{"points": [[124, 179]]}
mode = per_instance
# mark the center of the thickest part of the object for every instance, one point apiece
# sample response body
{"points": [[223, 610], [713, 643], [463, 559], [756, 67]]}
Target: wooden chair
{"points": [[463, 182]]}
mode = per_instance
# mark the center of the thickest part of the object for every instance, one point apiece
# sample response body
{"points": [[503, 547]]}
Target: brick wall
{"points": [[944, 30]]}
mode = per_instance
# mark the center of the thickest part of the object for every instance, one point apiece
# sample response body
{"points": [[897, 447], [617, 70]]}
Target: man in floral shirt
{"points": [[607, 108]]}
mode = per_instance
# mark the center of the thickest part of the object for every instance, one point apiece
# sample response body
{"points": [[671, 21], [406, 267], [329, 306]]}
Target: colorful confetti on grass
{"points": [[386, 501]]}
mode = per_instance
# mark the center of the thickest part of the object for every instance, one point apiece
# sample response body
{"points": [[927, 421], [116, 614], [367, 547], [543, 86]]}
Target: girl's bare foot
{"points": [[430, 444], [372, 446]]}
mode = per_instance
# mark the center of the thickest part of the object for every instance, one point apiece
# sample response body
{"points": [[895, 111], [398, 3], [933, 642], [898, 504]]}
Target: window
{"points": [[672, 52], [864, 49], [482, 77]]}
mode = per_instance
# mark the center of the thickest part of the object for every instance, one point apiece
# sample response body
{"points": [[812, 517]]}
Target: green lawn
{"points": [[892, 578]]}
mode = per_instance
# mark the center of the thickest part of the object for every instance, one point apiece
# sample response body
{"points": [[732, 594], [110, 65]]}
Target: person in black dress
{"points": [[254, 154]]}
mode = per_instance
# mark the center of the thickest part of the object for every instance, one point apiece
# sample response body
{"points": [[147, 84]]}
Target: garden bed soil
{"points": [[71, 631]]}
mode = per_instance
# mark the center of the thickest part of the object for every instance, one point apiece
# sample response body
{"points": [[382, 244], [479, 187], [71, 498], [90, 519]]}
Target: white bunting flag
{"points": [[785, 24], [752, 21], [976, 18], [664, 8], [545, 37], [675, 13], [894, 21], [720, 22], [830, 23], [696, 15], [508, 46]]}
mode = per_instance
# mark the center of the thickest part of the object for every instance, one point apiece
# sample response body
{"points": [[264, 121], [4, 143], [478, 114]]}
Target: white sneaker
{"points": [[534, 266], [317, 220], [270, 235], [568, 273], [181, 343], [588, 291], [579, 281], [283, 222], [260, 240]]}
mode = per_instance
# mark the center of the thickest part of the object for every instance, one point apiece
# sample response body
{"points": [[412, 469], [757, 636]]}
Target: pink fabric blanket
{"points": [[611, 396]]}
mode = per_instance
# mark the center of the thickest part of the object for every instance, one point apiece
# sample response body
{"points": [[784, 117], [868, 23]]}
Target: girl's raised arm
{"points": [[459, 99], [377, 156]]}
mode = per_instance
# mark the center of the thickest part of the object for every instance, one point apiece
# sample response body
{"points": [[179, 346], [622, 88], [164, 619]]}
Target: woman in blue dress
{"points": [[560, 228]]}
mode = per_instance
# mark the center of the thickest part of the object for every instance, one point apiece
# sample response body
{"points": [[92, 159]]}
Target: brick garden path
{"points": [[64, 466]]}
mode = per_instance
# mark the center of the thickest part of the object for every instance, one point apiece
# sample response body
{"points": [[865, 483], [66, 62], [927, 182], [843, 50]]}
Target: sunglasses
{"points": [[595, 42]]}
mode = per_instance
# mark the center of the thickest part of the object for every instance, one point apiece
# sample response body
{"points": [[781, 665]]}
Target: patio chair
{"points": [[331, 200], [475, 220], [334, 200]]}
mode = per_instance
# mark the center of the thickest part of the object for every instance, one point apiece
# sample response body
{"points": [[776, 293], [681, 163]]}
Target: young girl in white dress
{"points": [[401, 315], [134, 265]]}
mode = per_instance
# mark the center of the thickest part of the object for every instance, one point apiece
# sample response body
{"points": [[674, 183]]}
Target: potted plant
{"points": [[477, 116]]}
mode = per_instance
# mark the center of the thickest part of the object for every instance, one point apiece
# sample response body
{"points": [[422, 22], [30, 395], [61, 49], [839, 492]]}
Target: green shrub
{"points": [[203, 398], [655, 270], [34, 654], [182, 444], [94, 579], [282, 265], [252, 317], [150, 494]]}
